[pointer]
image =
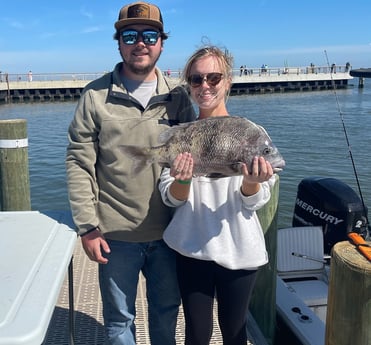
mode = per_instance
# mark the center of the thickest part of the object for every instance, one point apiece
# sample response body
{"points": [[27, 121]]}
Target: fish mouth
{"points": [[278, 165]]}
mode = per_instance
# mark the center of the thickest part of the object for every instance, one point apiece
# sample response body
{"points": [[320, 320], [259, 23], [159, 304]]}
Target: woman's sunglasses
{"points": [[212, 79], [149, 37]]}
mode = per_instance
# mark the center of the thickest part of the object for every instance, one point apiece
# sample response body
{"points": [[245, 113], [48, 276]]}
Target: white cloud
{"points": [[86, 13], [91, 29]]}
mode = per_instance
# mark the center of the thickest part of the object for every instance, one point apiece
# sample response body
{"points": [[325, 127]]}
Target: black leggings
{"points": [[199, 281]]}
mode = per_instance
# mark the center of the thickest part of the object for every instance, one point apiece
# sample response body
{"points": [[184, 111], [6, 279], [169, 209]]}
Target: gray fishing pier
{"points": [[68, 86]]}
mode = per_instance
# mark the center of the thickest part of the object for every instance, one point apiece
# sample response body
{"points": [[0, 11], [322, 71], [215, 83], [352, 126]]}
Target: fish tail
{"points": [[142, 157]]}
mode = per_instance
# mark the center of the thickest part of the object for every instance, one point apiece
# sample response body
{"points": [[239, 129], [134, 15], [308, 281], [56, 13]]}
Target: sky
{"points": [[76, 36]]}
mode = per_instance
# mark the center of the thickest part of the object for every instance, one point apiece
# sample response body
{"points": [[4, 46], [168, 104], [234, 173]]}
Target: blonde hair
{"points": [[225, 61]]}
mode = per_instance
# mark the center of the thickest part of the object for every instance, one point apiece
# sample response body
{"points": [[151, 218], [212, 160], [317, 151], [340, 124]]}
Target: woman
{"points": [[215, 230]]}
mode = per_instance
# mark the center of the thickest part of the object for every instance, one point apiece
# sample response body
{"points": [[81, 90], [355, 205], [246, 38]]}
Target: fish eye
{"points": [[266, 150]]}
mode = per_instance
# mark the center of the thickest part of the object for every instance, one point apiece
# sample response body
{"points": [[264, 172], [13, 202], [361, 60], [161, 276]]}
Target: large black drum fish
{"points": [[219, 145]]}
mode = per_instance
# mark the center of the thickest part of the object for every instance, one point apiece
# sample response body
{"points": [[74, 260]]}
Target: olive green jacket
{"points": [[103, 190]]}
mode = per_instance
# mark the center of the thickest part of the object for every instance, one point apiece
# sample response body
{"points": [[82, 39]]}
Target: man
{"points": [[120, 217]]}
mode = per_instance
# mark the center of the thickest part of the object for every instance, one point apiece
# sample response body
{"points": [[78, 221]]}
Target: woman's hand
{"points": [[182, 167], [261, 171], [182, 171]]}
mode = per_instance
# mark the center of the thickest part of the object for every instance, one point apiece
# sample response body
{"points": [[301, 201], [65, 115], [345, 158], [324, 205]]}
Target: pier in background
{"points": [[361, 73], [68, 86]]}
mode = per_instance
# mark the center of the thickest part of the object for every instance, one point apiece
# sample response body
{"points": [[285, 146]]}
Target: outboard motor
{"points": [[333, 205]]}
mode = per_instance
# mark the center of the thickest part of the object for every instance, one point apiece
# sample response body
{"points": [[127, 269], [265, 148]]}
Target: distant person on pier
{"points": [[215, 229], [120, 216], [312, 67], [333, 68], [29, 75], [241, 70]]}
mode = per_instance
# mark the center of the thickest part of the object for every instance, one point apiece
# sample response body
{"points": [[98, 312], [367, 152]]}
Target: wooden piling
{"points": [[361, 83], [349, 300], [263, 301], [14, 173]]}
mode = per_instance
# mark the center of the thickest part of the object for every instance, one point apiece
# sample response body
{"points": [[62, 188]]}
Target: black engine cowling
{"points": [[332, 204]]}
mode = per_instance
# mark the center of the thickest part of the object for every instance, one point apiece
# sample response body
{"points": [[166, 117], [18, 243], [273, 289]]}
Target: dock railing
{"points": [[276, 71], [21, 77], [237, 72]]}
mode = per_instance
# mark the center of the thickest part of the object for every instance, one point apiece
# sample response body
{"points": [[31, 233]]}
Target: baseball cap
{"points": [[140, 13]]}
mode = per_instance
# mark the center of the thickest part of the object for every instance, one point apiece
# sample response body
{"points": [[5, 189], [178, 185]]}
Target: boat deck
{"points": [[88, 310]]}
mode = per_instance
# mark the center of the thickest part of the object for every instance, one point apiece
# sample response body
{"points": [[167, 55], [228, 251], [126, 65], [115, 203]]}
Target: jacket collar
{"points": [[117, 89]]}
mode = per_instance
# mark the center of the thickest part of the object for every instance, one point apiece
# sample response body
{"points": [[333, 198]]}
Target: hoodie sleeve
{"points": [[80, 165], [165, 181], [258, 200]]}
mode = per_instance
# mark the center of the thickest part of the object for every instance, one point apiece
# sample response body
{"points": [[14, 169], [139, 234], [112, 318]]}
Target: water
{"points": [[306, 127]]}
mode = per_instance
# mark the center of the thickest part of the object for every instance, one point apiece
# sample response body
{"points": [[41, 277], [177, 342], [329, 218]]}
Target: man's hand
{"points": [[93, 244]]}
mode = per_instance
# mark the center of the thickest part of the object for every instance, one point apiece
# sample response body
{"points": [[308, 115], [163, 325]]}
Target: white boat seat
{"points": [[312, 292], [306, 241], [303, 274]]}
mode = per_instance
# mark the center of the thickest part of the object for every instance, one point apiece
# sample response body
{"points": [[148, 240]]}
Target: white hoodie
{"points": [[217, 222]]}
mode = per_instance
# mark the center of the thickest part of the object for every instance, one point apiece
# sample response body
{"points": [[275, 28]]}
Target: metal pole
{"points": [[71, 304]]}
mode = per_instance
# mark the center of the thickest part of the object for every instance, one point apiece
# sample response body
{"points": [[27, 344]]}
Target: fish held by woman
{"points": [[219, 145]]}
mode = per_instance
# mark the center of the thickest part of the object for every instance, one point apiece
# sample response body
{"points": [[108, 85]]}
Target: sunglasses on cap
{"points": [[212, 79], [149, 37]]}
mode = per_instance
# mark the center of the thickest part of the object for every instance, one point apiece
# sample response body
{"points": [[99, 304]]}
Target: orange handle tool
{"points": [[363, 247]]}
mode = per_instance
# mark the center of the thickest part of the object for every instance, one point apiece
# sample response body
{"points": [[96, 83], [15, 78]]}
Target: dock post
{"points": [[263, 301], [349, 300], [361, 82], [14, 174]]}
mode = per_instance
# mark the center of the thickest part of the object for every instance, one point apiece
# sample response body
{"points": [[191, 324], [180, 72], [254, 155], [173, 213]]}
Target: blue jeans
{"points": [[118, 281]]}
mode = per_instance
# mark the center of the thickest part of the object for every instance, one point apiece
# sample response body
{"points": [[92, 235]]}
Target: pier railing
{"points": [[244, 71], [267, 71], [20, 77]]}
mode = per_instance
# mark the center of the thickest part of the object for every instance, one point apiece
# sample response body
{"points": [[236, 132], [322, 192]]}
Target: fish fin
{"points": [[142, 157], [168, 133]]}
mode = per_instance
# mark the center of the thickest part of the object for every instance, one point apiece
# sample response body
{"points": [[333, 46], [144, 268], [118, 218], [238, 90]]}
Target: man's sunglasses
{"points": [[149, 37], [212, 79]]}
